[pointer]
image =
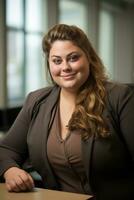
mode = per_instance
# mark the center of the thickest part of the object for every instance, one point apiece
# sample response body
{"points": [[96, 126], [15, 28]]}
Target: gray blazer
{"points": [[108, 162]]}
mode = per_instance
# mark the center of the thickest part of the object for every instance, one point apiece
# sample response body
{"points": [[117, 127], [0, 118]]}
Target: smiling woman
{"points": [[69, 66], [77, 134], [88, 78]]}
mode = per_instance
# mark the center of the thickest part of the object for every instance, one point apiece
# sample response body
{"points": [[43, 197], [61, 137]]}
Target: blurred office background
{"points": [[109, 25]]}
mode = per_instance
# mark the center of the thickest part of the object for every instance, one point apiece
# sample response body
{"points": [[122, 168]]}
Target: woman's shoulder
{"points": [[119, 93], [41, 91], [40, 94], [119, 88]]}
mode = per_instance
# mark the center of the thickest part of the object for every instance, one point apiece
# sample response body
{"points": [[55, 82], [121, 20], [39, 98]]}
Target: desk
{"points": [[40, 194]]}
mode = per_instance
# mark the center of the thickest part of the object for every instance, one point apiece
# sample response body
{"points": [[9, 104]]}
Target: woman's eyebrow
{"points": [[55, 56], [74, 52], [69, 54]]}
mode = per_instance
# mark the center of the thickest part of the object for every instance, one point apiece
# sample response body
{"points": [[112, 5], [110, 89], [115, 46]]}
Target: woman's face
{"points": [[69, 66]]}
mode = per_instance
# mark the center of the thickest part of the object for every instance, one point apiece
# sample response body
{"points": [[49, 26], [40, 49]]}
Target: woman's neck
{"points": [[66, 108], [68, 96]]}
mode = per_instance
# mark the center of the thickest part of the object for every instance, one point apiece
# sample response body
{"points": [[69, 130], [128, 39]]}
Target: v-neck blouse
{"points": [[65, 157]]}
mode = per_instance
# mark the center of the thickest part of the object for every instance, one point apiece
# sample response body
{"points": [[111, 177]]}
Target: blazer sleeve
{"points": [[13, 148], [122, 98]]}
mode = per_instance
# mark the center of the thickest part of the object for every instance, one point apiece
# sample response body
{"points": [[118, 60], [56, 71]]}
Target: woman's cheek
{"points": [[54, 70]]}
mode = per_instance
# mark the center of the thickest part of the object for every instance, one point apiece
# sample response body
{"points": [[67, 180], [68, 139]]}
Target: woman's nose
{"points": [[66, 66]]}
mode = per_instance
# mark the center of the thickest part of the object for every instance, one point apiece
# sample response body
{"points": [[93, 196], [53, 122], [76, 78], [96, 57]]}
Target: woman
{"points": [[77, 134]]}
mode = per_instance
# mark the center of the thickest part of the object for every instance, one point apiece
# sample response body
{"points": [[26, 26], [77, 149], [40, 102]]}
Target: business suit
{"points": [[108, 162]]}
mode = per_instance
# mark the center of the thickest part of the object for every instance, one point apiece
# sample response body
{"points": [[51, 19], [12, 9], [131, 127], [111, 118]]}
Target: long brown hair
{"points": [[90, 103]]}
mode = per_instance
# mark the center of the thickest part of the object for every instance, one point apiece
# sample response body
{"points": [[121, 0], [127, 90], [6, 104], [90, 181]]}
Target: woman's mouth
{"points": [[68, 76]]}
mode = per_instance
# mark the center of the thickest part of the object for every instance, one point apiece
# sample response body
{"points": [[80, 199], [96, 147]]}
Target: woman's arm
{"points": [[126, 116], [13, 151], [121, 98]]}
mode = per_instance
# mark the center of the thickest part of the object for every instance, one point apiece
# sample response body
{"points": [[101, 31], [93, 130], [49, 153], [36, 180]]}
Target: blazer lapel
{"points": [[87, 152], [38, 134], [47, 121]]}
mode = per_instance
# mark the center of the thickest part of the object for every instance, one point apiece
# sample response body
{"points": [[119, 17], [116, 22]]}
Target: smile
{"points": [[68, 75]]}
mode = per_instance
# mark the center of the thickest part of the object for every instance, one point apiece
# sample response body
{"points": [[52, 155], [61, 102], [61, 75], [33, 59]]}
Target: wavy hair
{"points": [[90, 102]]}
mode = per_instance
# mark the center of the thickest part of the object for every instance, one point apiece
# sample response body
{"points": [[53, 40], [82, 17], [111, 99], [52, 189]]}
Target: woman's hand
{"points": [[18, 180]]}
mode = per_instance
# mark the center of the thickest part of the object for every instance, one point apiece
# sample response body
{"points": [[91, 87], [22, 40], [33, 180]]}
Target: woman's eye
{"points": [[74, 58], [57, 61]]}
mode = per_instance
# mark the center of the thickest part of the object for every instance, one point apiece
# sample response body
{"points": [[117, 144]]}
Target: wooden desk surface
{"points": [[40, 194]]}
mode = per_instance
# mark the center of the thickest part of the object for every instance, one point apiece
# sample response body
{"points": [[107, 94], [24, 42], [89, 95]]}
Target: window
{"points": [[25, 25], [74, 13], [106, 39]]}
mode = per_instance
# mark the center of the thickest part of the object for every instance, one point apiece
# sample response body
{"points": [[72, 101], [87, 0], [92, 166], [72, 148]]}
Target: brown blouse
{"points": [[66, 159]]}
